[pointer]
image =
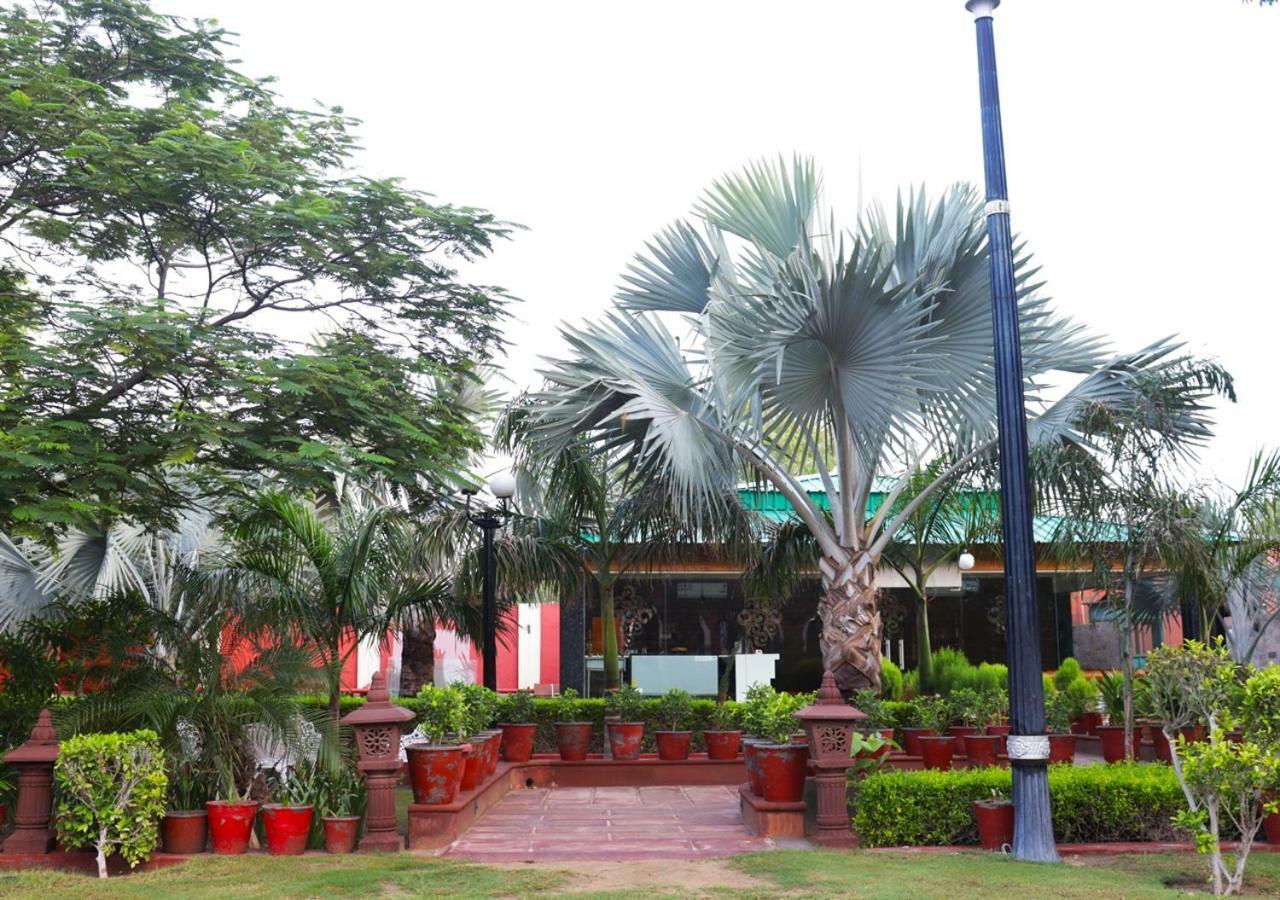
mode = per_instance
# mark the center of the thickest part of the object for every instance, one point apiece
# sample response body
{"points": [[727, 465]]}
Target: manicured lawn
{"points": [[791, 873]]}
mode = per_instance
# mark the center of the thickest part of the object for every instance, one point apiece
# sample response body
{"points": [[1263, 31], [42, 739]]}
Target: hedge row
{"points": [[548, 711], [1120, 802]]}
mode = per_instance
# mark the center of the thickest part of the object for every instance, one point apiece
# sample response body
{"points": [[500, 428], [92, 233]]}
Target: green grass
{"points": [[789, 873]]}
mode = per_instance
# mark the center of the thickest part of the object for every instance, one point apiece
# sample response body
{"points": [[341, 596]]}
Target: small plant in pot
{"points": [[675, 707], [341, 809], [723, 737], [482, 709], [627, 734], [995, 821], [436, 766], [185, 826], [231, 818], [781, 762], [573, 736], [936, 748], [520, 729], [921, 721], [287, 822], [752, 716], [1083, 695], [1062, 743], [1111, 735], [877, 723]]}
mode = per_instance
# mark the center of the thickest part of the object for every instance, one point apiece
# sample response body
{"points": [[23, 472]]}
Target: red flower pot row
{"points": [[227, 826], [438, 771]]}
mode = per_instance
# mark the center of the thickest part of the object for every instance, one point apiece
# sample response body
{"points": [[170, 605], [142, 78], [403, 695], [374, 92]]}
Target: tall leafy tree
{"points": [[165, 220], [875, 341]]}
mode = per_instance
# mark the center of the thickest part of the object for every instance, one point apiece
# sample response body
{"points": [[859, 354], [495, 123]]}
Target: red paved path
{"points": [[612, 823]]}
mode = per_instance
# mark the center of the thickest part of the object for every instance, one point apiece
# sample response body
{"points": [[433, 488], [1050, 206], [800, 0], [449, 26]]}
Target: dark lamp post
{"points": [[1028, 744], [503, 487]]}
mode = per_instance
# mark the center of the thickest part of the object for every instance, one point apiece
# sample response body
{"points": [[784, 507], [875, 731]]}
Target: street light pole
{"points": [[1028, 744], [488, 520]]}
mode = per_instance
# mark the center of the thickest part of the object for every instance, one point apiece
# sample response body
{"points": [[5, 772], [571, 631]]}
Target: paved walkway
{"points": [[613, 823]]}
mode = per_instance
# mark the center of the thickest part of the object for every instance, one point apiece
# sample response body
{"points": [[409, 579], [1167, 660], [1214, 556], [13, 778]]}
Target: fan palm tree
{"points": [[802, 336]]}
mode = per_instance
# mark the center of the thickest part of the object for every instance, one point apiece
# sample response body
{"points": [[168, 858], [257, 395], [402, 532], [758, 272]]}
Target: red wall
{"points": [[549, 661]]}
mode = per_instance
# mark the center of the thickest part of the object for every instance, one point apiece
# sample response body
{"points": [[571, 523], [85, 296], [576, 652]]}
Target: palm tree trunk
{"points": [[417, 657], [609, 638], [851, 630], [924, 650]]}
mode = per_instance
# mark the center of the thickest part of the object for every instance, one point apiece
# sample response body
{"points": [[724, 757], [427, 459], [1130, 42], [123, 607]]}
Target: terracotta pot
{"points": [[911, 739], [958, 733], [1002, 732], [1062, 748], [673, 745], [1271, 826], [722, 744], [1161, 743], [995, 823], [782, 771], [517, 741], [936, 750], [340, 833], [752, 759], [473, 764], [1088, 723], [1193, 734], [183, 831], [625, 739], [230, 824], [435, 772], [490, 744], [1112, 740], [1235, 737], [287, 828], [574, 740], [982, 749]]}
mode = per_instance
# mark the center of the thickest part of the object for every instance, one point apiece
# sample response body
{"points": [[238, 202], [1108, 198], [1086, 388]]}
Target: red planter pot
{"points": [[435, 772], [1193, 734], [995, 824], [230, 824], [958, 733], [1062, 748], [911, 739], [625, 739], [935, 751], [982, 749], [751, 757], [517, 741], [1271, 826], [1002, 732], [340, 833], [673, 745], [1112, 739], [722, 744], [887, 735], [490, 745], [185, 831], [782, 771], [1161, 743], [1089, 723], [573, 740], [287, 828], [473, 764]]}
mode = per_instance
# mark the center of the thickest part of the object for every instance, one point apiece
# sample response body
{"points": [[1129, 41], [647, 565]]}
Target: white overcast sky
{"points": [[1141, 138]]}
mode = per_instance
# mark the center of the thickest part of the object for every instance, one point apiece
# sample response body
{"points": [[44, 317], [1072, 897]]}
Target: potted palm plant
{"points": [[231, 819], [782, 762], [1062, 743], [936, 748], [341, 810], [627, 734], [995, 821], [573, 737], [436, 766], [1111, 735], [723, 738], [185, 826], [676, 707], [520, 730], [287, 822]]}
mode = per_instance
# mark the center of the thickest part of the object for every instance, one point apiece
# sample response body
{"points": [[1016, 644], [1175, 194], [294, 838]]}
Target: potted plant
{"points": [[995, 821], [998, 717], [521, 728], [752, 711], [287, 822], [436, 766], [918, 717], [782, 762], [935, 748], [1062, 743], [964, 713], [482, 711], [1083, 694], [341, 810], [185, 826], [876, 725], [231, 819], [626, 734], [722, 738], [573, 736], [1111, 735], [675, 707]]}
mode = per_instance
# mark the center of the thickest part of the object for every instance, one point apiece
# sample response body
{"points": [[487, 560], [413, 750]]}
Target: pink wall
{"points": [[549, 660]]}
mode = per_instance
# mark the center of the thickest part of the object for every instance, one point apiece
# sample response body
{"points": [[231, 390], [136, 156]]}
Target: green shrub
{"points": [[481, 706], [111, 794], [991, 678], [627, 703], [516, 709], [952, 670], [1260, 713], [1082, 697], [443, 714], [1120, 802], [759, 696], [910, 685], [676, 708], [1068, 671], [890, 680], [778, 721]]}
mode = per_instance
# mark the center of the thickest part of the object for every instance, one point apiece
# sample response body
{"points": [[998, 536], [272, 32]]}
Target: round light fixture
{"points": [[502, 485], [966, 561]]}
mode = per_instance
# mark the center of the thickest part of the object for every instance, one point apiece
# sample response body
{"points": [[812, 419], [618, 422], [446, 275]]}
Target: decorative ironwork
{"points": [[760, 624], [998, 614], [634, 612], [893, 614]]}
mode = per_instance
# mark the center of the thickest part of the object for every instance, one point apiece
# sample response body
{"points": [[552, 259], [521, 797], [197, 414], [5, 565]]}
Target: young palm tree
{"points": [[802, 336]]}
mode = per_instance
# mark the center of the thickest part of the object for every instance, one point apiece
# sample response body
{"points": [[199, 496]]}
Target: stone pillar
{"points": [[377, 727], [31, 815], [829, 724], [573, 642]]}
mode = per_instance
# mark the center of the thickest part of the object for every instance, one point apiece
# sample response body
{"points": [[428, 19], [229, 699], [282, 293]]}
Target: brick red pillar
{"points": [[31, 815]]}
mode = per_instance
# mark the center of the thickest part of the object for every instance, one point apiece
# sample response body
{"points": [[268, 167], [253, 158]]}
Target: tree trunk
{"points": [[609, 638], [851, 630], [102, 853], [417, 657], [924, 648]]}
